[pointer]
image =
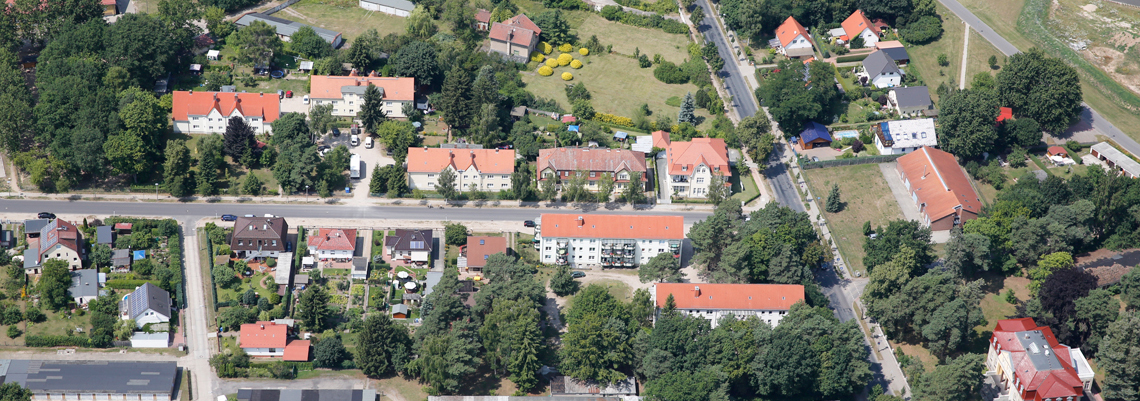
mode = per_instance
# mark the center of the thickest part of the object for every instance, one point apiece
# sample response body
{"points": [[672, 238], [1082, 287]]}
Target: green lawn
{"points": [[626, 38], [925, 57], [750, 191], [345, 17], [866, 197], [978, 58], [237, 174]]}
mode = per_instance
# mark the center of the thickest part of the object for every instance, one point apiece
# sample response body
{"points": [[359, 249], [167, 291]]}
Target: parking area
{"points": [[369, 158], [294, 105]]}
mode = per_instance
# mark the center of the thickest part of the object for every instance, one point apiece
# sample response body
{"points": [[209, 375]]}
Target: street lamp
{"points": [[156, 191], [306, 193]]}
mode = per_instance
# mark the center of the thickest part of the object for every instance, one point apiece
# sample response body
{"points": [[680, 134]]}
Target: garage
{"points": [[399, 8]]}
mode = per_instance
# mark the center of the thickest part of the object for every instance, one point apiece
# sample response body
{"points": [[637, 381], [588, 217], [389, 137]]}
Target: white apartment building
{"points": [[606, 240], [210, 112], [904, 136], [768, 302], [346, 93], [489, 170]]}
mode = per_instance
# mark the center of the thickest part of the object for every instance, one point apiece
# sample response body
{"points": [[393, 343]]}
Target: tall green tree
{"points": [[384, 346], [176, 169], [1130, 289], [313, 309], [238, 138], [1044, 88], [372, 111], [417, 60], [957, 379], [455, 98], [634, 191], [661, 268], [54, 283], [257, 43], [397, 136], [968, 123], [688, 107], [555, 28], [834, 204], [310, 45], [445, 185], [1119, 356]]}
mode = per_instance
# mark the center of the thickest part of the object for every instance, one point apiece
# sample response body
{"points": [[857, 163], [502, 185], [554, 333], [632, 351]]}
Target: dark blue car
{"points": [[229, 217]]}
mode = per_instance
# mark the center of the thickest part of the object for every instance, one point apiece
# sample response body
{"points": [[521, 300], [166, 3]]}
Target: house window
{"points": [[431, 185], [273, 350], [593, 174], [506, 185], [431, 175], [700, 180], [684, 168], [506, 177]]}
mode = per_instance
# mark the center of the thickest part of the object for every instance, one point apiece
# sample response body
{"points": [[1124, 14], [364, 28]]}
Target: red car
{"points": [[289, 94]]}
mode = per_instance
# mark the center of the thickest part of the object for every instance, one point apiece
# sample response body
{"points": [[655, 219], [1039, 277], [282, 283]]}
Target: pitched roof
{"points": [[334, 87], [937, 181], [1056, 150], [297, 351], [122, 257], [400, 308], [264, 335], [285, 27], [730, 296], [813, 131], [59, 232], [257, 233], [409, 240], [661, 139], [85, 378], [480, 248], [856, 23], [483, 16], [507, 33], [190, 103], [147, 296], [104, 234], [522, 21], [878, 63], [711, 152], [913, 96], [84, 283], [486, 161], [606, 160], [1004, 113], [896, 53], [1042, 365], [1118, 158], [789, 30], [556, 225], [333, 239]]}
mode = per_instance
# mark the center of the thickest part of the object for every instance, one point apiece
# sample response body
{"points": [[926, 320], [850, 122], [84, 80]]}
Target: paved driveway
{"points": [[898, 189], [294, 105]]}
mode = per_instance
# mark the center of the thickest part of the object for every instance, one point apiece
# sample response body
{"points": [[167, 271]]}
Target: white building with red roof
{"points": [[332, 243], [346, 93], [693, 164], [586, 240], [489, 170], [857, 25], [794, 39], [210, 112], [268, 339], [1029, 364], [516, 36], [768, 302], [619, 165]]}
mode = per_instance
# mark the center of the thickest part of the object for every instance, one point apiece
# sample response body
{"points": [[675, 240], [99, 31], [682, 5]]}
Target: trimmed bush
{"points": [[125, 284], [539, 57], [612, 119], [546, 47], [551, 62], [545, 71], [584, 51], [575, 64], [850, 59], [565, 59], [566, 76], [56, 341], [566, 48]]}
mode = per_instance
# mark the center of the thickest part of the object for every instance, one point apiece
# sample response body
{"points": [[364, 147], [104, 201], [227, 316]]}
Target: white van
{"points": [[368, 142], [355, 140]]}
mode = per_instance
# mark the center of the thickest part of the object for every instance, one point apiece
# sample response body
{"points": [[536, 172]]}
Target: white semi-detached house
{"points": [[794, 39], [332, 243], [768, 302], [587, 240], [693, 164], [210, 112], [346, 93], [489, 170]]}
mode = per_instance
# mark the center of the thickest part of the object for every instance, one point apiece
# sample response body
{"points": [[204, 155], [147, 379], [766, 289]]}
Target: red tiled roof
{"points": [[249, 104], [1057, 150], [612, 226], [660, 139], [329, 87], [486, 161], [483, 16], [506, 33], [1005, 113], [264, 335], [937, 181], [729, 296], [595, 160], [522, 21], [789, 30], [856, 23], [297, 351], [333, 239], [712, 152], [123, 226], [1052, 380], [479, 248], [569, 119]]}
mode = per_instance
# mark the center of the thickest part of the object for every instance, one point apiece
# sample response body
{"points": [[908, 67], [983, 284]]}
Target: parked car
{"points": [[289, 94], [305, 99], [355, 140], [280, 94], [577, 274], [46, 215], [368, 142], [336, 131], [229, 217], [528, 223]]}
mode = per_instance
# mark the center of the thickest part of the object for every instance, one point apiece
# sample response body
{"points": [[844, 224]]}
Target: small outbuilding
{"points": [[815, 135], [400, 311], [105, 235], [1057, 151], [214, 55]]}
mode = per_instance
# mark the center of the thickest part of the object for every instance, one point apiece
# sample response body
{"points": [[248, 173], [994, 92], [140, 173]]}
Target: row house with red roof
{"points": [[488, 170], [210, 112], [587, 240], [768, 302], [1027, 363], [694, 164], [619, 165], [346, 93], [332, 243]]}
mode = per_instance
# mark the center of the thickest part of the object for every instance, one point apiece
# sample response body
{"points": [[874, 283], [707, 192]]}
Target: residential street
{"points": [[743, 101]]}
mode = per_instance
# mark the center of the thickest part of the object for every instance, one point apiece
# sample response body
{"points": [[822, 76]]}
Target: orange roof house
{"points": [[769, 302], [332, 243], [1057, 151], [190, 109], [487, 169], [556, 225], [478, 249], [264, 335], [562, 163], [482, 19], [1030, 363], [297, 351], [1004, 113], [794, 39], [660, 139], [693, 164], [334, 87], [517, 36], [857, 25], [939, 187]]}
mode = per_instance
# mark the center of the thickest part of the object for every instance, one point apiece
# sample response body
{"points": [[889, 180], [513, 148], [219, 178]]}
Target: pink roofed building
{"points": [[516, 36], [1028, 364]]}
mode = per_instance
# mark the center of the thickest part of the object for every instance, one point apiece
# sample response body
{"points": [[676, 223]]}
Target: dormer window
{"points": [[684, 168]]}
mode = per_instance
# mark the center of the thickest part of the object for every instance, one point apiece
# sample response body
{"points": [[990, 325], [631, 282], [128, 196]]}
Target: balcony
{"points": [[628, 246], [680, 178]]}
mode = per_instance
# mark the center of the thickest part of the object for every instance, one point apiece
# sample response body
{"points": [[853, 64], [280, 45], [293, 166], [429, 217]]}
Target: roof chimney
{"points": [[581, 221], [263, 327], [696, 291]]}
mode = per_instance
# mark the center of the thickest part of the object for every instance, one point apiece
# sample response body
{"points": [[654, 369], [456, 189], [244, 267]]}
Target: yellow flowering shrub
{"points": [[613, 119], [565, 59], [545, 47], [566, 76], [537, 57], [584, 51], [551, 62], [545, 71], [576, 64], [566, 48]]}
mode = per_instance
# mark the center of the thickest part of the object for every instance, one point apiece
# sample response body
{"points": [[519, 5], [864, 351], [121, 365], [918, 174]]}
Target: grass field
{"points": [[626, 38], [925, 57], [866, 197], [749, 191], [979, 55], [345, 17]]}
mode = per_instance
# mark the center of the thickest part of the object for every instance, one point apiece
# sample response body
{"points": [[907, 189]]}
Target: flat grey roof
{"points": [[1038, 350], [397, 4], [34, 225], [1118, 158], [99, 377], [433, 278], [31, 258], [305, 395], [104, 233], [84, 283], [286, 27]]}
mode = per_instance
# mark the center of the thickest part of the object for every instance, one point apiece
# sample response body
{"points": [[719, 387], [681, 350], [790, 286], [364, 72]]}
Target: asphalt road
{"points": [[196, 210], [743, 100], [1090, 119], [780, 179]]}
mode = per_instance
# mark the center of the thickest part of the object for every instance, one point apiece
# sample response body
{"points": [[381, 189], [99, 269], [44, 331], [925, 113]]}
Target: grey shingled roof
{"points": [[120, 257], [397, 4], [914, 96], [896, 53], [410, 240], [400, 308], [34, 225], [879, 63], [105, 235], [87, 377], [84, 283], [31, 258], [286, 27], [148, 296]]}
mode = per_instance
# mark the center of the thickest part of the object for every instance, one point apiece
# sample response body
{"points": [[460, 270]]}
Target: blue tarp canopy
{"points": [[814, 131], [139, 255], [572, 128], [621, 135]]}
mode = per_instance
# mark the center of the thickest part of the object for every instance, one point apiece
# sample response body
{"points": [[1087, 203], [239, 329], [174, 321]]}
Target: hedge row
{"points": [[615, 13], [123, 284], [613, 119], [300, 366], [56, 341], [850, 59]]}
